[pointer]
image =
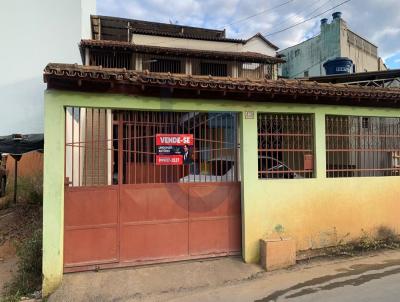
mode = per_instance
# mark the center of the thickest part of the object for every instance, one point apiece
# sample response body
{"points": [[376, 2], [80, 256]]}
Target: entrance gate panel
{"points": [[122, 208], [91, 226], [153, 222], [214, 219]]}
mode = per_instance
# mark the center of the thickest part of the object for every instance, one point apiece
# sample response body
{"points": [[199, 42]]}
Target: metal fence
{"points": [[89, 147], [111, 59], [213, 155], [362, 146], [285, 145], [100, 143], [179, 65]]}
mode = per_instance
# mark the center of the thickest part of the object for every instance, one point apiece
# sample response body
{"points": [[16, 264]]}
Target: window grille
{"points": [[111, 59], [362, 146], [182, 65], [165, 64], [285, 145], [214, 69], [89, 147], [101, 143]]}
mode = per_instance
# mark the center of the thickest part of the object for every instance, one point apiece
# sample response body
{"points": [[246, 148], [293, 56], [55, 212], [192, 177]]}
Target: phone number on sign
{"points": [[169, 159]]}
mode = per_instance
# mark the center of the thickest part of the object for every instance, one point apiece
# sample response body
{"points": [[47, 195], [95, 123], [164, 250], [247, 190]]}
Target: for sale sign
{"points": [[174, 149], [174, 139]]}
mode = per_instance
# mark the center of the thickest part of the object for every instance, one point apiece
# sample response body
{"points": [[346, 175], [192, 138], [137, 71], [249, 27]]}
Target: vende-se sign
{"points": [[174, 139]]}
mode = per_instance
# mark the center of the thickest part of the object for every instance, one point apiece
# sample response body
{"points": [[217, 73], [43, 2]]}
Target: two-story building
{"points": [[173, 143], [336, 40], [157, 47]]}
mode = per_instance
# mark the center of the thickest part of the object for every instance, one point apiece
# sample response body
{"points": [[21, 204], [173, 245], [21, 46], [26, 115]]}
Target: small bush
{"points": [[384, 238], [366, 242], [29, 274], [387, 234]]}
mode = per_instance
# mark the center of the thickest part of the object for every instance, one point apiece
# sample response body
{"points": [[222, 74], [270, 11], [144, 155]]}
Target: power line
{"points": [[259, 13], [241, 20], [288, 18], [304, 21], [308, 14]]}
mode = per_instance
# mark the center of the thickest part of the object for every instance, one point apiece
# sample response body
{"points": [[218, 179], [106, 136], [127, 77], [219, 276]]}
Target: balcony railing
{"points": [[187, 65]]}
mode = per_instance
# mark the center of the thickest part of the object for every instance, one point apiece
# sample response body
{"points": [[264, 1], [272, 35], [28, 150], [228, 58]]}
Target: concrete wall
{"points": [[362, 60], [316, 212], [255, 44], [332, 42], [35, 33], [311, 54]]}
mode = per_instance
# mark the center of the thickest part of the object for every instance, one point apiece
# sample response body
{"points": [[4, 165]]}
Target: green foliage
{"points": [[29, 274], [384, 238]]}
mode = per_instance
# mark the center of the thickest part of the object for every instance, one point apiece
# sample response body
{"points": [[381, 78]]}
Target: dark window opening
{"points": [[214, 69], [165, 65]]}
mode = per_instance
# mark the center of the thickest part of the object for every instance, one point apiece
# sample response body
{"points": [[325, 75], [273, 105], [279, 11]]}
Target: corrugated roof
{"points": [[113, 28], [359, 76], [116, 29]]}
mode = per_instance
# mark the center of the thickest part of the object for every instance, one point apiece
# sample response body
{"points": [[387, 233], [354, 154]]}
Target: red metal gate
{"points": [[148, 213]]}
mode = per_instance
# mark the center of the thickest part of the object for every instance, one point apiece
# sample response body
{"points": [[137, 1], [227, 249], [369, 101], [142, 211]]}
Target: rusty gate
{"points": [[122, 208]]}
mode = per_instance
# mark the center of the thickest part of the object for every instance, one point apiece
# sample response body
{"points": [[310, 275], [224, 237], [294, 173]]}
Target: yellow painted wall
{"points": [[310, 210], [315, 212]]}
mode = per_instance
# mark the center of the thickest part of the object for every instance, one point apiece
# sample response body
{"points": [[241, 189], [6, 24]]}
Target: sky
{"points": [[376, 20]]}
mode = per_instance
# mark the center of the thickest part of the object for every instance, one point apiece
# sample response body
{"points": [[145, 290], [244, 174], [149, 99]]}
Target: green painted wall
{"points": [[53, 195], [315, 212]]}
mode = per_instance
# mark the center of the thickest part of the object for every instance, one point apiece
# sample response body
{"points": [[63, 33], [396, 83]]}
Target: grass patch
{"points": [[28, 278], [25, 230]]}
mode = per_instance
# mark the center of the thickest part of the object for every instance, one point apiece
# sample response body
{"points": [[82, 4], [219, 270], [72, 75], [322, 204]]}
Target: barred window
{"points": [[285, 145], [362, 146]]}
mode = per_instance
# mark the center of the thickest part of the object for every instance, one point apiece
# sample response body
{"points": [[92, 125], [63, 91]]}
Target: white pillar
{"points": [[188, 66], [138, 63], [87, 56]]}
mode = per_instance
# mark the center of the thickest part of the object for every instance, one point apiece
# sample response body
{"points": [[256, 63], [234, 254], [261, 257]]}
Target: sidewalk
{"points": [[149, 282], [223, 279]]}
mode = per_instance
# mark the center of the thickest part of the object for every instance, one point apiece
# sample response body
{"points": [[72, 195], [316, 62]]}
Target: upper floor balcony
{"points": [[197, 62]]}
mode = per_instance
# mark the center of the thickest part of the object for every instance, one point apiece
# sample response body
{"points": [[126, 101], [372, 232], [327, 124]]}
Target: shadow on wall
{"points": [[22, 107]]}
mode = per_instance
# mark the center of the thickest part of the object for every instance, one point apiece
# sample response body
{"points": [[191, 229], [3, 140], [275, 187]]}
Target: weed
{"points": [[29, 274], [384, 238], [29, 189], [387, 234]]}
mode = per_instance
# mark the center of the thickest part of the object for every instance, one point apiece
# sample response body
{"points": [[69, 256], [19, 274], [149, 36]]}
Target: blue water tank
{"points": [[339, 65]]}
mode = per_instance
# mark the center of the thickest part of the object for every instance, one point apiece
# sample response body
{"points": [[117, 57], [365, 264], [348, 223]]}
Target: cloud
{"points": [[377, 21]]}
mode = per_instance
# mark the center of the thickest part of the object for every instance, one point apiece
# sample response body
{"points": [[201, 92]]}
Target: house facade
{"points": [[335, 40], [156, 154]]}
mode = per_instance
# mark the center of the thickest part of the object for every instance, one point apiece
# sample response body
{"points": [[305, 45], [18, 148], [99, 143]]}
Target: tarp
{"points": [[17, 144]]}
